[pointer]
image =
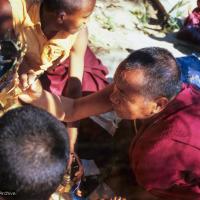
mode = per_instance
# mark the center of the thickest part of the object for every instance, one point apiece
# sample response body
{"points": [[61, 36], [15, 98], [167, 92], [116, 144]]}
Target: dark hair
{"points": [[162, 74], [33, 152], [70, 6]]}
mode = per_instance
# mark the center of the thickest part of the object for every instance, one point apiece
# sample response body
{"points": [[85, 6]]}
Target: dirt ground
{"points": [[113, 29]]}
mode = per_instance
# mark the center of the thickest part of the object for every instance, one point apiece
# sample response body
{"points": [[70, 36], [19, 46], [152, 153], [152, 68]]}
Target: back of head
{"points": [[33, 147], [69, 6], [162, 75]]}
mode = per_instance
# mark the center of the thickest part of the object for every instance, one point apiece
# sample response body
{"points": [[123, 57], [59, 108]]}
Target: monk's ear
{"points": [[61, 17], [160, 104]]}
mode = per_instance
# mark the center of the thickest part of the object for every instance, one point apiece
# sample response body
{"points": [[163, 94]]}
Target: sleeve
{"points": [[169, 170]]}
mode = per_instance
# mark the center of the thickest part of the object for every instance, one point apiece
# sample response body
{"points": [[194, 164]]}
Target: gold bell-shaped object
{"points": [[66, 184]]}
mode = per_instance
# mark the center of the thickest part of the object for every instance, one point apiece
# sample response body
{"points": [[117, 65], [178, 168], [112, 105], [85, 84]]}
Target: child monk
{"points": [[56, 36]]}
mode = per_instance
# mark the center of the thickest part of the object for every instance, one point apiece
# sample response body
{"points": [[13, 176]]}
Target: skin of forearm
{"points": [[73, 90], [69, 110], [52, 104], [93, 104], [72, 134]]}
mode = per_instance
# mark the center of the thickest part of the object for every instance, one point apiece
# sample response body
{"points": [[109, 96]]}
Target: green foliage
{"points": [[170, 23], [173, 23], [106, 22], [142, 14]]}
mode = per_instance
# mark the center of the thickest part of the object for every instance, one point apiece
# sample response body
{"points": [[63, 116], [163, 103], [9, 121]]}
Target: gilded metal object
{"points": [[11, 55]]}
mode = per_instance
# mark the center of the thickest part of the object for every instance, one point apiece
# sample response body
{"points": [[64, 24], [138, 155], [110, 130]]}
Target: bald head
{"points": [[160, 72], [69, 6]]}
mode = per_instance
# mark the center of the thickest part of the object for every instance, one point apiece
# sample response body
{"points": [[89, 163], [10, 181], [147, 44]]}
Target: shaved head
{"points": [[162, 74], [69, 6]]}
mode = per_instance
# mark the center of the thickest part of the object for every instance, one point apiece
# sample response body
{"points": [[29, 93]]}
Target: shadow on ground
{"points": [[182, 46]]}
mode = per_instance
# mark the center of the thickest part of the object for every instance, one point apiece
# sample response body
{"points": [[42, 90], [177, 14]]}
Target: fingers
{"points": [[31, 77], [36, 87], [27, 80], [79, 174], [31, 93], [80, 171], [24, 81]]}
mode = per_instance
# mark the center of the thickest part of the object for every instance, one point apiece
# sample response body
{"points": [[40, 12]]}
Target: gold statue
{"points": [[11, 55]]}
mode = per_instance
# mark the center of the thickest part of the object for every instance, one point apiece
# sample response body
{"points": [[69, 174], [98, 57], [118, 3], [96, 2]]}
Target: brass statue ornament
{"points": [[12, 52]]}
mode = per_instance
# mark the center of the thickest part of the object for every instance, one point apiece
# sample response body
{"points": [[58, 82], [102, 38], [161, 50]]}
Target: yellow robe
{"points": [[41, 52]]}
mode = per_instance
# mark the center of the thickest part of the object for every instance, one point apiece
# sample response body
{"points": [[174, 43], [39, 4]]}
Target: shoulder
{"points": [[182, 115], [178, 124], [185, 113]]}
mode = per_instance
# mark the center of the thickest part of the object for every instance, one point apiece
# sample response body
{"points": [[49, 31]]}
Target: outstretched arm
{"points": [[93, 104], [67, 109]]}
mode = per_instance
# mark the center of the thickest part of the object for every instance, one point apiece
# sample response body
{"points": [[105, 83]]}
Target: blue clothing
{"points": [[190, 69]]}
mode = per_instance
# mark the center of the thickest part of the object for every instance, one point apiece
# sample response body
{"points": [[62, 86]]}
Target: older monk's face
{"points": [[127, 99]]}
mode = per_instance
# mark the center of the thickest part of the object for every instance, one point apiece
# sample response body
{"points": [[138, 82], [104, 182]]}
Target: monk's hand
{"points": [[79, 172], [32, 92], [27, 79]]}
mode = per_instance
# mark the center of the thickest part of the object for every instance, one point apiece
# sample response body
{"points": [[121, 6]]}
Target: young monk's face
{"points": [[74, 22], [126, 98]]}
